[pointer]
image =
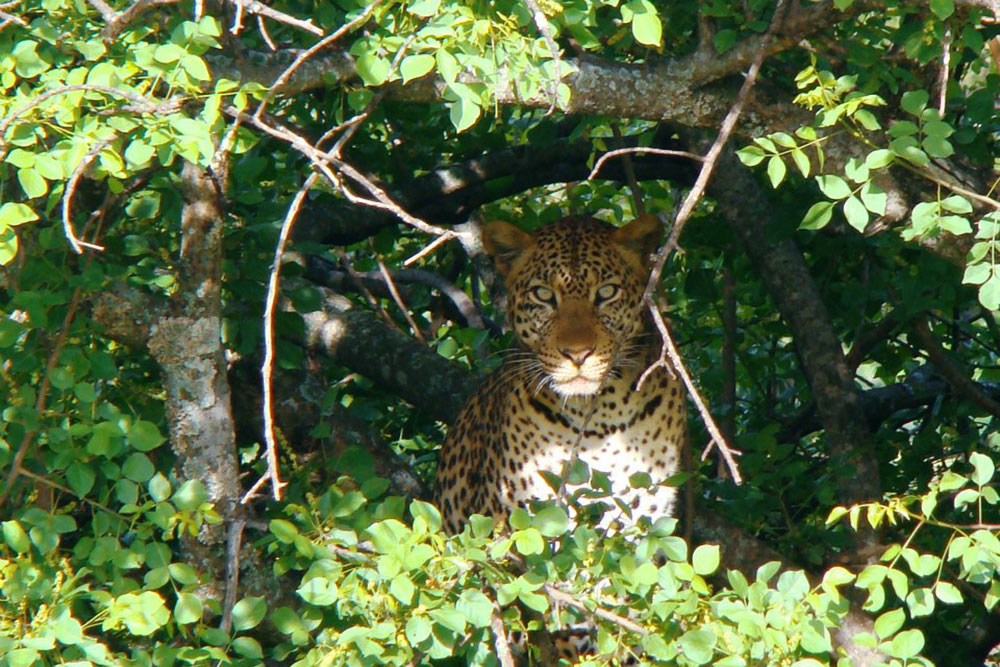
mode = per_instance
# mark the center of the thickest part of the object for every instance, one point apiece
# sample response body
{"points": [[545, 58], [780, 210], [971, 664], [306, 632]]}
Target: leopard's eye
{"points": [[544, 295], [606, 293]]}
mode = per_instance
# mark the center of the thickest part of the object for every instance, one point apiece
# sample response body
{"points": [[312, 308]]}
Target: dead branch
{"points": [[262, 10], [660, 259], [67, 200]]}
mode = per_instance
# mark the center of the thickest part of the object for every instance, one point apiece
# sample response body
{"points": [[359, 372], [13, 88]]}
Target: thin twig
{"points": [[693, 197], [260, 9], [429, 248], [311, 51], [67, 200], [633, 183], [417, 333], [262, 26], [640, 149], [10, 18], [713, 429], [945, 73], [565, 598], [65, 489], [542, 23], [267, 367], [40, 402]]}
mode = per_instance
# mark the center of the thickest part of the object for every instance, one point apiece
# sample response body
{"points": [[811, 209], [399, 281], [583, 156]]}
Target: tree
{"points": [[238, 246]]}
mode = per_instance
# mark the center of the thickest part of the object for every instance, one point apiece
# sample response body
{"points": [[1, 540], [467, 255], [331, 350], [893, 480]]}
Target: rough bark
{"points": [[402, 366]]}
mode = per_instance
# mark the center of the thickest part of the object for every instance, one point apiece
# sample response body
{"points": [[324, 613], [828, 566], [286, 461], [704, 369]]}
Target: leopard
{"points": [[571, 388]]}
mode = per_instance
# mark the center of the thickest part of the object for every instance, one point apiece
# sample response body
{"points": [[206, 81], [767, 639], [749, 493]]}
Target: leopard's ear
{"points": [[641, 236], [505, 243]]}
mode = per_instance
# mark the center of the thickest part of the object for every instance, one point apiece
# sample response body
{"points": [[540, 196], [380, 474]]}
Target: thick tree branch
{"points": [[449, 194], [784, 272]]}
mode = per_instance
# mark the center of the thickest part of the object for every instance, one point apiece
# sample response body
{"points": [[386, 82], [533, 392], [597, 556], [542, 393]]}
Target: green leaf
{"points": [[190, 495], [144, 436], [833, 186], [856, 213], [551, 521], [646, 28], [285, 531], [817, 216], [195, 68], [942, 8], [138, 467], [914, 101], [724, 40], [938, 128], [937, 147], [907, 644], [428, 513], [402, 588], [188, 608], [14, 213], [956, 204], [423, 8], [948, 593], [906, 148], [139, 153], [476, 607], [801, 161], [416, 66], [920, 602], [248, 647], [418, 628], [705, 559], [983, 468], [248, 612], [867, 120], [464, 112], [159, 488], [751, 155], [989, 293], [27, 63], [80, 477], [776, 171], [698, 645], [879, 158], [15, 536], [32, 182], [528, 541], [373, 69], [889, 623], [874, 198]]}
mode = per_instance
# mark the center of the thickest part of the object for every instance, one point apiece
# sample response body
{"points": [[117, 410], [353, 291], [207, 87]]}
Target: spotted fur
{"points": [[575, 300]]}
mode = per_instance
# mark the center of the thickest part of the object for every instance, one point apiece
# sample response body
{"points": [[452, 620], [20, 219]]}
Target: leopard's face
{"points": [[575, 296]]}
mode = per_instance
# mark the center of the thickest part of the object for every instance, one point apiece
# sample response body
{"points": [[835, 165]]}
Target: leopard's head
{"points": [[575, 295]]}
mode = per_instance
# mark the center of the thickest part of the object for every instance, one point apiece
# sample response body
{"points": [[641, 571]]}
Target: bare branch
{"points": [[67, 200], [267, 367], [640, 149], [542, 23], [116, 22]]}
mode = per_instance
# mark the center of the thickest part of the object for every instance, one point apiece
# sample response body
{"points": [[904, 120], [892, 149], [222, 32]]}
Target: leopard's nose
{"points": [[577, 355]]}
